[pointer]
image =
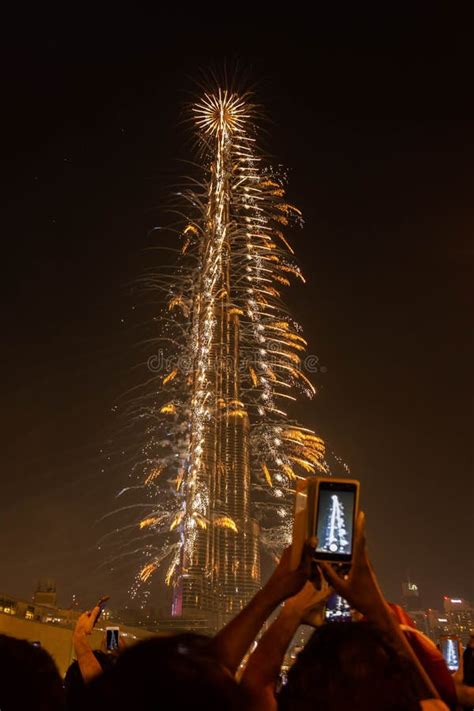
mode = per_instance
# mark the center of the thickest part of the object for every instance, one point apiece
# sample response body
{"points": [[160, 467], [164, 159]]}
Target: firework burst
{"points": [[236, 365]]}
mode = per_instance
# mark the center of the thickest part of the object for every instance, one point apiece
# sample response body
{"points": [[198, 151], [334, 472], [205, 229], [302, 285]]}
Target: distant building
{"points": [[53, 627], [456, 605], [460, 616], [413, 605], [411, 597], [188, 623], [420, 618], [45, 593], [438, 624], [457, 616]]}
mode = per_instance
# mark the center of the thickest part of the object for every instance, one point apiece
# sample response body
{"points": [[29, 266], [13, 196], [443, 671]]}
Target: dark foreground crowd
{"points": [[380, 662]]}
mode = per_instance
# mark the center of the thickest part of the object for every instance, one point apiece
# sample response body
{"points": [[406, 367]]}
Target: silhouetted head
{"points": [[167, 672], [29, 678], [349, 665], [74, 685]]}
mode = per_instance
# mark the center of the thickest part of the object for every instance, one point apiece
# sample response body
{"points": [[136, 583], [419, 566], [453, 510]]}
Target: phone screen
{"points": [[450, 652], [337, 609], [335, 516], [112, 638]]}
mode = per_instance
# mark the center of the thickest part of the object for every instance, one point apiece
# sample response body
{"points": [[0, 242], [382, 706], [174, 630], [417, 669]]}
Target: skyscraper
{"points": [[222, 572], [411, 596], [223, 449]]}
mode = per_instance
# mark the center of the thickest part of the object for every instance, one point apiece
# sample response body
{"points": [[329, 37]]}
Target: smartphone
{"points": [[101, 604], [112, 638], [337, 503], [337, 609], [450, 650]]}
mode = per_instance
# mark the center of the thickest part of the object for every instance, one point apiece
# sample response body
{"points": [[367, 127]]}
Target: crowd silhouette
{"points": [[380, 661]]}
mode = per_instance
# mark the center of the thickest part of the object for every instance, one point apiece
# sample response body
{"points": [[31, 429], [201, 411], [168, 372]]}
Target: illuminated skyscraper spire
{"points": [[220, 567], [223, 451]]}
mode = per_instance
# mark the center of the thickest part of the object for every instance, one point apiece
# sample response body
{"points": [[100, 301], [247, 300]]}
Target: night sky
{"points": [[370, 116]]}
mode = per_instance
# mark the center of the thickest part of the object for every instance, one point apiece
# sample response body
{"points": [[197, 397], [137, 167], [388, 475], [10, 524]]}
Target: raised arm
{"points": [[233, 641], [88, 664], [362, 590], [263, 667]]}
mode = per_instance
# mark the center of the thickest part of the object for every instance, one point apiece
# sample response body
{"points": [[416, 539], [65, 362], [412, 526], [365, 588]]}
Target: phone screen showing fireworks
{"points": [[335, 518], [450, 652], [337, 609], [112, 638]]}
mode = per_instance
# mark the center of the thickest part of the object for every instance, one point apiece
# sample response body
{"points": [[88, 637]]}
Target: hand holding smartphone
{"points": [[326, 508]]}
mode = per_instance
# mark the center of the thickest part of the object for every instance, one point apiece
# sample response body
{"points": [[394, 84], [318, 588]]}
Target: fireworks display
{"points": [[221, 452]]}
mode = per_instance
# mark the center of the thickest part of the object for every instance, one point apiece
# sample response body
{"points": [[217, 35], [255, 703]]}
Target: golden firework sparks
{"points": [[267, 474], [147, 571], [153, 474], [226, 522], [168, 409], [177, 520], [222, 304], [148, 522], [168, 378]]}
